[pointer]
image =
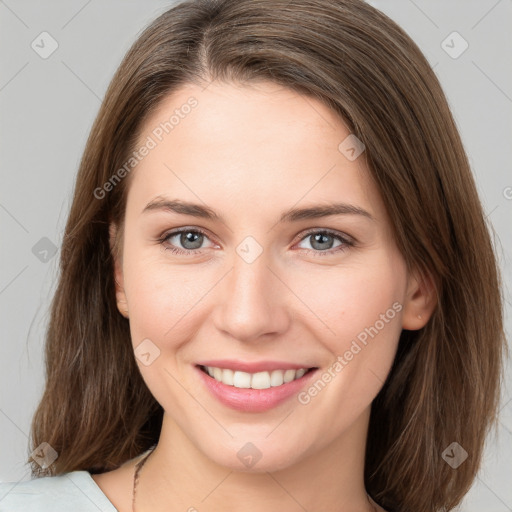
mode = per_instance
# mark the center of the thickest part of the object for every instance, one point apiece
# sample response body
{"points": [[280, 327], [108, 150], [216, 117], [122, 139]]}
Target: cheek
{"points": [[346, 301], [164, 303], [360, 309], [161, 297], [367, 326]]}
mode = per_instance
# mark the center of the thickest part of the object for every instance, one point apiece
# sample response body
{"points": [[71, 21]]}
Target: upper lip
{"points": [[252, 367]]}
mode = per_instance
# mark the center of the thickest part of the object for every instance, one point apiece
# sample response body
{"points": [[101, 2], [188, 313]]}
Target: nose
{"points": [[252, 302]]}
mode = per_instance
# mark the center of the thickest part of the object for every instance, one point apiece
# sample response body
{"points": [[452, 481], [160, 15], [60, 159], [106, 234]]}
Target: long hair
{"points": [[97, 412]]}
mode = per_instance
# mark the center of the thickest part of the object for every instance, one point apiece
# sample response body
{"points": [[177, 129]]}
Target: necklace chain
{"points": [[138, 467], [141, 463]]}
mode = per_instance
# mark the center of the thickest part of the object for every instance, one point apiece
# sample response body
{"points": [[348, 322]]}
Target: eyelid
{"points": [[345, 239], [185, 229], [333, 232]]}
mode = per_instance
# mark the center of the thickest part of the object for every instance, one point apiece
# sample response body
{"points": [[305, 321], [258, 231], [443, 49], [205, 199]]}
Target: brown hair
{"points": [[444, 386]]}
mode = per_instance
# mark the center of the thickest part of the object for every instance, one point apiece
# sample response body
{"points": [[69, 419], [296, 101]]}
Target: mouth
{"points": [[265, 387], [257, 380]]}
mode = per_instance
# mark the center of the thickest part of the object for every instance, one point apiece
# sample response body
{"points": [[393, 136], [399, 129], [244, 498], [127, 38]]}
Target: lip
{"points": [[254, 400], [252, 367]]}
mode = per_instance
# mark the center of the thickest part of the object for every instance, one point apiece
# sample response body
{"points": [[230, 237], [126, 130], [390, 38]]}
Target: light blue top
{"points": [[75, 491]]}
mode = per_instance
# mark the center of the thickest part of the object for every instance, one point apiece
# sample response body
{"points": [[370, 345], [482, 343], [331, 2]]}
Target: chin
{"points": [[254, 457]]}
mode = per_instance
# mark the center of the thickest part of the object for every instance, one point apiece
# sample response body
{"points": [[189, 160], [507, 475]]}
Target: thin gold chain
{"points": [[138, 467]]}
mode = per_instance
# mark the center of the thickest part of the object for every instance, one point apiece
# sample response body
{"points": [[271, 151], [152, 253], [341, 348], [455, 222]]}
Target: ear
{"points": [[420, 301], [122, 303]]}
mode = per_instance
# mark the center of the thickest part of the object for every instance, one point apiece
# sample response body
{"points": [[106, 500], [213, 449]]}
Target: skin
{"points": [[251, 152]]}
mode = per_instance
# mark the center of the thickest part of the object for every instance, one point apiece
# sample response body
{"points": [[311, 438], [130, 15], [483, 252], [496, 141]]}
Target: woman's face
{"points": [[255, 243]]}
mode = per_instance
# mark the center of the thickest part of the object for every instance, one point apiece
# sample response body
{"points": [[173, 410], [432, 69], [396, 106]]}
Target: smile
{"points": [[258, 380], [253, 387]]}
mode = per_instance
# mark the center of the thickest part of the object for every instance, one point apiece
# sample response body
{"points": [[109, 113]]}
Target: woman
{"points": [[277, 287]]}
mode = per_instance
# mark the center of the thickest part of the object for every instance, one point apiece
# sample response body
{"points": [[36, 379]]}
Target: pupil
{"points": [[191, 237], [321, 238]]}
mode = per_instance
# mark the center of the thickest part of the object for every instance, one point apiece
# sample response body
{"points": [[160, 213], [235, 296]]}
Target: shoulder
{"points": [[75, 489]]}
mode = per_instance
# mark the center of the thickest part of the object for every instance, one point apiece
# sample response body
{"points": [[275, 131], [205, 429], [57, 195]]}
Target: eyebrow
{"points": [[291, 215]]}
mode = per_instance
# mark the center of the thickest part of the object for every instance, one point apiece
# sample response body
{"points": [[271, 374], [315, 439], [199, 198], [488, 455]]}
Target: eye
{"points": [[321, 242], [189, 239]]}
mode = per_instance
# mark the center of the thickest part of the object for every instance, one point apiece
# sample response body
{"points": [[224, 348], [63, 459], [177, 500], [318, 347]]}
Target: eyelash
{"points": [[346, 242]]}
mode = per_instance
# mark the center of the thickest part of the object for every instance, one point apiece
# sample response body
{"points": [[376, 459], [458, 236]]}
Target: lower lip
{"points": [[253, 400]]}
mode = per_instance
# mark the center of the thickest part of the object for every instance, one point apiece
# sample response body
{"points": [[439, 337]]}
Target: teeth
{"points": [[289, 375], [228, 377], [259, 380], [241, 380], [276, 378], [299, 373]]}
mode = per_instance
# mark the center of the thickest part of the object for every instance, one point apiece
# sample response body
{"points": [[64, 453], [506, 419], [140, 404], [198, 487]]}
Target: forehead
{"points": [[232, 142], [259, 110]]}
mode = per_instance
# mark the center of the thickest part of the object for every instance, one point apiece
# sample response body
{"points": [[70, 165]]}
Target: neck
{"points": [[178, 477]]}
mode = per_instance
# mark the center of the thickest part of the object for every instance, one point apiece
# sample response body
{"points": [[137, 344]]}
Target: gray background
{"points": [[47, 109]]}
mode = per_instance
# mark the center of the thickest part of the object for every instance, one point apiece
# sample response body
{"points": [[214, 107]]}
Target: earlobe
{"points": [[420, 301], [122, 304]]}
